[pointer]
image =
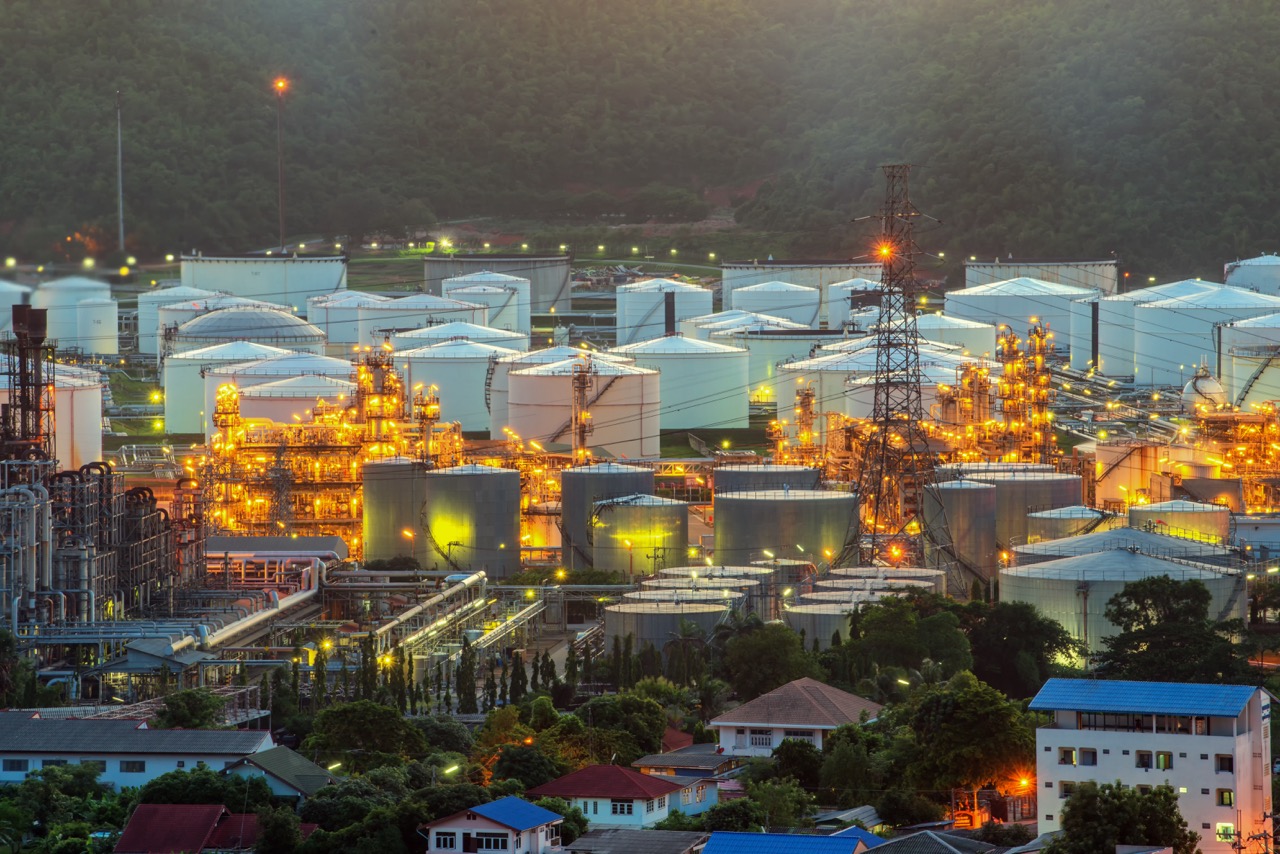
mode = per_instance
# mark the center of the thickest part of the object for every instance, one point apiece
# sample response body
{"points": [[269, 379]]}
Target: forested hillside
{"points": [[1041, 127]]}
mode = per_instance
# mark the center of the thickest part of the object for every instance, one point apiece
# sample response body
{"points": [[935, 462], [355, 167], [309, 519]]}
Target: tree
{"points": [[320, 676], [639, 720], [571, 663], [1015, 647], [197, 708], [526, 763], [278, 831], [202, 785], [542, 714], [1100, 817], [365, 731], [799, 760], [575, 822], [519, 679], [784, 802], [743, 815], [767, 658], [444, 733], [468, 703]]}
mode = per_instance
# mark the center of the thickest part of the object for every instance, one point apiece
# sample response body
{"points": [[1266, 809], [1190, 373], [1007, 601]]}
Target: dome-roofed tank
{"points": [[955, 471], [375, 322], [458, 369], [1069, 522], [937, 578], [1187, 519], [820, 622], [656, 623], [548, 275], [786, 523], [1203, 393], [61, 298], [771, 347], [624, 403], [638, 534], [1019, 304], [337, 315], [759, 593], [962, 513], [1074, 591], [1172, 336], [704, 383], [713, 571], [1261, 274], [470, 519], [435, 333], [171, 316], [281, 400], [245, 374], [703, 326], [733, 598], [1253, 335], [974, 338], [149, 303], [499, 383], [757, 476], [641, 310], [184, 401], [780, 299], [1115, 322], [507, 297], [1131, 539], [249, 323], [580, 488]]}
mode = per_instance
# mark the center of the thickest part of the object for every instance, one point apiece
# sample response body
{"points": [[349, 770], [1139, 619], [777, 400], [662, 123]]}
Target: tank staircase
{"points": [[488, 382], [564, 428], [1115, 464], [1094, 523], [565, 538], [1253, 378]]}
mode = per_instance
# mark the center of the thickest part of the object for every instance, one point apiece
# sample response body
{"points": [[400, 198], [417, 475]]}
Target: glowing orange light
{"points": [[281, 84], [885, 250]]}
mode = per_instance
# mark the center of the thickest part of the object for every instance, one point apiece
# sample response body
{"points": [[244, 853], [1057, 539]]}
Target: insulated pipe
{"points": [[241, 626], [462, 586]]}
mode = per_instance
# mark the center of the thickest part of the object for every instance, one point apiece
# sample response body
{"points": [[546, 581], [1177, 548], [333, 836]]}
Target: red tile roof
{"points": [[606, 781], [235, 833], [674, 739], [169, 828], [802, 703]]}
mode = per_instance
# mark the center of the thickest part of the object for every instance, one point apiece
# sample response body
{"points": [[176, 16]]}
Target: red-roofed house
{"points": [[189, 829], [612, 795], [805, 709]]}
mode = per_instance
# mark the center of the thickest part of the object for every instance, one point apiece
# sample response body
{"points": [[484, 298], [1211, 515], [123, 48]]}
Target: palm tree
{"points": [[735, 624], [685, 646]]}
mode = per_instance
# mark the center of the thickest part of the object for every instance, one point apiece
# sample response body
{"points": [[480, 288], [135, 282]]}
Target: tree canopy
{"points": [[1100, 817]]}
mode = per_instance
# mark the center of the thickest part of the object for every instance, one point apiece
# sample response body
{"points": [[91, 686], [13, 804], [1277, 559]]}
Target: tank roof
{"points": [[680, 582], [1266, 321], [826, 607], [667, 608], [963, 483], [345, 297], [307, 384], [176, 292], [604, 468], [289, 363], [716, 570], [938, 320], [675, 344], [472, 468], [1156, 293], [13, 287], [1024, 286], [763, 495], [857, 283], [774, 287], [1260, 261], [220, 301], [1220, 297], [486, 277], [249, 322], [604, 367], [1079, 511], [426, 301], [660, 286], [642, 500], [457, 348], [243, 350], [1112, 565], [1181, 506], [559, 353], [459, 329], [1123, 538], [72, 283], [736, 315]]}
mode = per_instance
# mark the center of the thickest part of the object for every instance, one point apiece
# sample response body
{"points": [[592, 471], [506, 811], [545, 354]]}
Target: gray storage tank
{"points": [[786, 523], [962, 512], [936, 577], [470, 519], [848, 597], [1069, 522], [394, 491], [749, 478], [901, 585], [1131, 539], [548, 275], [1019, 493], [580, 488], [758, 593], [724, 596], [821, 621], [637, 535], [657, 623]]}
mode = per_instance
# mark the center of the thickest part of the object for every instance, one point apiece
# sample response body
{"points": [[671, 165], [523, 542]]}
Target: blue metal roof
{"points": [[725, 842], [516, 813], [1166, 698], [856, 833]]}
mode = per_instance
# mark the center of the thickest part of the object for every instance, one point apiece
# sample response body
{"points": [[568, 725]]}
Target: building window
{"points": [[798, 734], [662, 802], [182, 763], [1066, 789], [686, 796], [1226, 798], [519, 841], [1048, 784], [1226, 763], [1144, 790], [15, 766], [99, 765], [1048, 817], [702, 793], [1143, 759], [446, 841], [621, 807], [471, 816], [648, 805], [491, 841], [1164, 760], [1088, 756], [132, 766], [1066, 756], [595, 808], [762, 738], [52, 763], [1225, 832]]}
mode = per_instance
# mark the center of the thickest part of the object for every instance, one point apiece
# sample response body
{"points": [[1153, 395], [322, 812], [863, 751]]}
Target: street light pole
{"points": [[281, 85], [120, 170]]}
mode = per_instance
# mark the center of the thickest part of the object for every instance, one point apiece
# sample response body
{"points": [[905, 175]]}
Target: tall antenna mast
{"points": [[120, 169]]}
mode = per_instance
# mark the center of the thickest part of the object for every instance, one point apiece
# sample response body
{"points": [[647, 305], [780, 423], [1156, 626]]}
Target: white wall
{"points": [[739, 740], [155, 764], [600, 811]]}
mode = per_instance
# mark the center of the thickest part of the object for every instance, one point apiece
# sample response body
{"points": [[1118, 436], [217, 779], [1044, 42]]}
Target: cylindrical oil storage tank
{"points": [[337, 315], [852, 598], [1074, 591], [847, 297], [759, 597], [846, 586], [789, 572], [548, 275], [1251, 335], [704, 326], [1123, 467], [62, 298], [375, 322], [637, 535], [458, 369], [1130, 539], [1172, 336], [1261, 274], [1018, 493], [98, 326], [581, 488], [1020, 304], [781, 299], [955, 471], [281, 400], [735, 599], [1079, 336], [754, 477], [171, 316], [936, 578], [656, 623], [263, 325], [149, 303], [624, 402], [974, 338], [184, 401], [509, 298], [1115, 322], [935, 377], [788, 523], [821, 621], [393, 496], [289, 278], [963, 513], [1254, 374], [1069, 522], [11, 294], [245, 374], [770, 348], [761, 573], [1187, 519], [470, 518], [499, 383], [642, 310], [704, 383], [761, 583], [457, 329]]}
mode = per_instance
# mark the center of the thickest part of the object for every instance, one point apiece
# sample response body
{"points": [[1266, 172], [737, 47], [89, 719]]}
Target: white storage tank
{"points": [[1255, 376], [972, 337], [624, 403], [1187, 519], [1115, 322], [1261, 274], [1069, 522], [62, 298], [833, 372], [843, 586], [849, 297], [1074, 591], [1019, 304], [754, 477], [1251, 336], [246, 374], [470, 517], [705, 382], [376, 322], [642, 311], [1128, 539], [508, 297], [282, 400], [799, 524], [1079, 334], [704, 326], [263, 325], [338, 316], [548, 275], [638, 535], [184, 400], [149, 303], [171, 316], [499, 383], [781, 299], [953, 471], [581, 487], [656, 623], [98, 326], [77, 413], [1018, 493], [11, 294], [287, 279], [810, 273], [458, 369], [735, 599], [821, 621], [1124, 467], [770, 348], [936, 578], [1173, 336], [962, 513], [860, 392], [460, 330]]}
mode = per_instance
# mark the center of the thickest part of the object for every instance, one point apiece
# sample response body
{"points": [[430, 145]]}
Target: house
{"points": [[617, 840], [288, 774], [724, 842], [805, 709], [932, 842], [509, 824], [696, 760], [126, 752], [613, 795], [190, 829], [1211, 743]]}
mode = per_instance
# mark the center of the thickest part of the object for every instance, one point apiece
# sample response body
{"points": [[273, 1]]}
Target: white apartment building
{"points": [[1211, 743]]}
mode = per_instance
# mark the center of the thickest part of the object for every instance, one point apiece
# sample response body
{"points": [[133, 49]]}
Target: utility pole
{"points": [[120, 169], [281, 86]]}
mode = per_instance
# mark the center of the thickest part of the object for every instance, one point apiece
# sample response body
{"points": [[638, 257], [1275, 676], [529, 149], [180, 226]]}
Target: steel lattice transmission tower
{"points": [[895, 464]]}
